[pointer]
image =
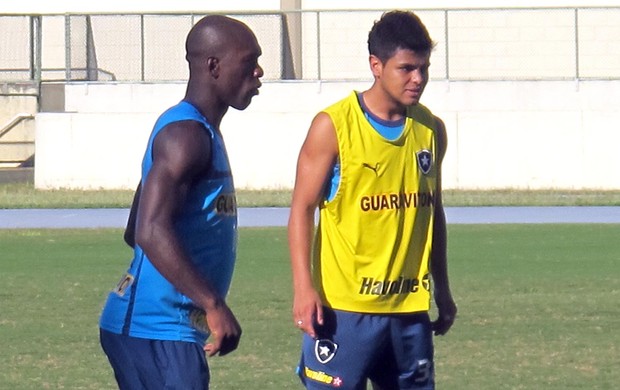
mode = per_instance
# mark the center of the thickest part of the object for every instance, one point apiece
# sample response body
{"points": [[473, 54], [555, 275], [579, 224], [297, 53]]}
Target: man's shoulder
{"points": [[343, 103], [422, 114], [182, 111]]}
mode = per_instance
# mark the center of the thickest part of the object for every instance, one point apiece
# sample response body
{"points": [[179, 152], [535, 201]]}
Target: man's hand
{"points": [[225, 330], [308, 311], [446, 313]]}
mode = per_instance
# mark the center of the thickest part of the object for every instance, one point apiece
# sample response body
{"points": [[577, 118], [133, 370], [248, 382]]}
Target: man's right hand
{"points": [[308, 311], [225, 330]]}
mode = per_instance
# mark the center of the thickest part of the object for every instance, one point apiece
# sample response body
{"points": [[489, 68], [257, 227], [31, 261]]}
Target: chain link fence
{"points": [[476, 44]]}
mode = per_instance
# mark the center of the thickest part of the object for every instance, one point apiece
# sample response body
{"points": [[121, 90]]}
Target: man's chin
{"points": [[410, 102], [243, 105], [411, 99]]}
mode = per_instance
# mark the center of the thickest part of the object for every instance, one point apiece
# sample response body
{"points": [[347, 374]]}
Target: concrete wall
{"points": [[120, 6], [526, 135], [503, 134], [472, 44], [17, 100]]}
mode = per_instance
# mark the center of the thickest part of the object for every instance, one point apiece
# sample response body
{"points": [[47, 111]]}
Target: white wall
{"points": [[119, 6], [73, 6], [90, 150], [538, 134], [503, 134]]}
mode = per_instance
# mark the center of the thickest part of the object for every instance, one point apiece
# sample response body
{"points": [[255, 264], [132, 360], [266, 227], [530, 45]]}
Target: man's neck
{"points": [[208, 109], [382, 105]]}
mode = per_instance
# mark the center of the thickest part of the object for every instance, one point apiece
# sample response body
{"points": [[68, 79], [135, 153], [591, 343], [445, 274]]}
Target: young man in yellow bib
{"points": [[371, 163]]}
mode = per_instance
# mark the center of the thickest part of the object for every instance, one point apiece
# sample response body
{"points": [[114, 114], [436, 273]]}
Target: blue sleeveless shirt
{"points": [[144, 304]]}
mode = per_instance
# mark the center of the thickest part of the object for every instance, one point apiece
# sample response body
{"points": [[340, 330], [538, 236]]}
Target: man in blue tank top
{"points": [[183, 225]]}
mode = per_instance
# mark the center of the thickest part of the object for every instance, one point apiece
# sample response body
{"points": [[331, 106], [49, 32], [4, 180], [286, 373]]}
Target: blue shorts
{"points": [[155, 364], [394, 351]]}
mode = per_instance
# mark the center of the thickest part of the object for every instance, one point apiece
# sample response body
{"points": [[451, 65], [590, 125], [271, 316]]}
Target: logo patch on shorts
{"points": [[320, 376], [325, 350]]}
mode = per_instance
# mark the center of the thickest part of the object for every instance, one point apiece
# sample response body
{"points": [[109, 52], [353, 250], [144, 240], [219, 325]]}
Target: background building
{"points": [[530, 94]]}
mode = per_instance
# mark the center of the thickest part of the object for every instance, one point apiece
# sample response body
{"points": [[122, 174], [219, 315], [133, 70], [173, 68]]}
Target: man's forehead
{"points": [[248, 48], [407, 56], [401, 51]]}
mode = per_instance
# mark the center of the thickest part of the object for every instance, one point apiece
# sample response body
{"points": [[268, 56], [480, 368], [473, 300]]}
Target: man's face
{"points": [[403, 76], [241, 73]]}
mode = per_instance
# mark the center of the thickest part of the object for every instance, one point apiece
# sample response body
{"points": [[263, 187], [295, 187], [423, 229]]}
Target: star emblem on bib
{"points": [[425, 160]]}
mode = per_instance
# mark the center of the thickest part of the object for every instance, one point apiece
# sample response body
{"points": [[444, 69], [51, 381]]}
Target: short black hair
{"points": [[398, 30]]}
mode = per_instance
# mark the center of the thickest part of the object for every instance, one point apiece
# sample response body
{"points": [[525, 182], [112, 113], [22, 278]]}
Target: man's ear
{"points": [[376, 65], [213, 66]]}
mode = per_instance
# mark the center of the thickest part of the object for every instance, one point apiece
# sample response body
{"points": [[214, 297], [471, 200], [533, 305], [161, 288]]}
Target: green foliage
{"points": [[537, 309]]}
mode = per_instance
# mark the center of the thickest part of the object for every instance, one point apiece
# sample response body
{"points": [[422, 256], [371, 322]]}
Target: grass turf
{"points": [[537, 309], [24, 195]]}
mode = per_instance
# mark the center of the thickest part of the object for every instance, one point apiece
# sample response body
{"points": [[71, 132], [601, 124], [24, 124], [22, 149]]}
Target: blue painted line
{"points": [[277, 216]]}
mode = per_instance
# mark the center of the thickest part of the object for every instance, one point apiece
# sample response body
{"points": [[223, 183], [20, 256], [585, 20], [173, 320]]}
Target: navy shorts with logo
{"points": [[394, 351], [155, 364]]}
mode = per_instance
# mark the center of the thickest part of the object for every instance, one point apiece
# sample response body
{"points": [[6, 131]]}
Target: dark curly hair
{"points": [[398, 30]]}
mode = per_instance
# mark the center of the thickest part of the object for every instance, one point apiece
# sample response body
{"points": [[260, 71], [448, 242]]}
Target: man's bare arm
{"points": [[316, 159], [180, 155], [130, 230], [439, 257]]}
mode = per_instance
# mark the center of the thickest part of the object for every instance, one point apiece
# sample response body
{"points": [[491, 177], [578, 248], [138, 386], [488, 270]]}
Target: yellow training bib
{"points": [[374, 237]]}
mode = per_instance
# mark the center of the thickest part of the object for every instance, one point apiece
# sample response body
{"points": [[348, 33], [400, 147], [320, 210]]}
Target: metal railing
{"points": [[17, 119], [472, 44], [6, 129]]}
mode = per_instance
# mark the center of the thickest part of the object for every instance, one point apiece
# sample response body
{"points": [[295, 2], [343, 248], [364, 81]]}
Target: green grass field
{"points": [[24, 195], [538, 309]]}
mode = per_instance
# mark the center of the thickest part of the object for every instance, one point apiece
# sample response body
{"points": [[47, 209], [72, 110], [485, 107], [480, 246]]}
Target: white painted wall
{"points": [[119, 6], [526, 135]]}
